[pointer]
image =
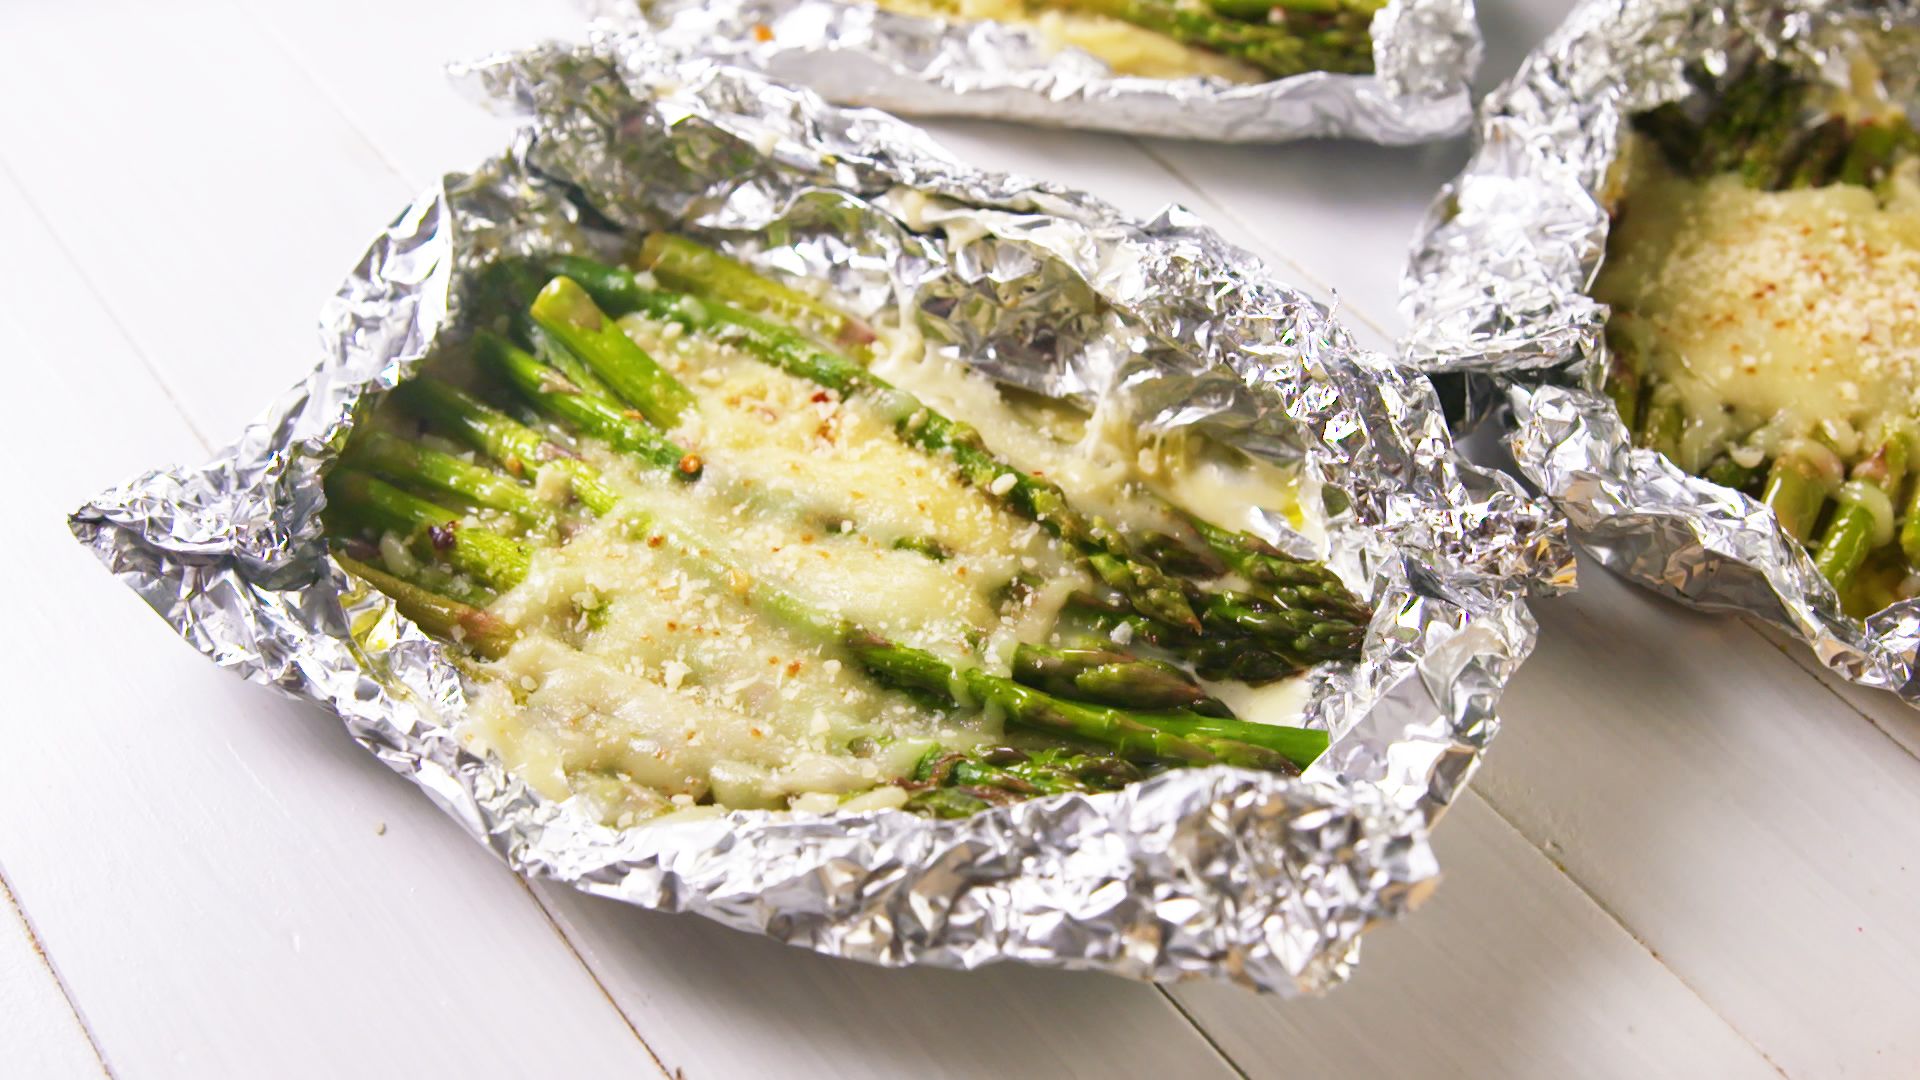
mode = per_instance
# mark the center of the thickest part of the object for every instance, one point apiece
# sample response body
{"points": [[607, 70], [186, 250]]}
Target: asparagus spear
{"points": [[497, 560], [1664, 423], [1153, 593], [947, 783], [1220, 657], [1283, 578], [1863, 515], [485, 634], [1820, 154], [1107, 677], [691, 266], [564, 310], [518, 449], [1766, 160], [1798, 483], [550, 351], [397, 459], [1739, 111], [1910, 530], [550, 392], [1875, 143]]}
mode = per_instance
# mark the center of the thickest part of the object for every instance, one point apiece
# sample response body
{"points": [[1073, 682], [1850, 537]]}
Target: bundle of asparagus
{"points": [[1833, 481], [445, 536]]}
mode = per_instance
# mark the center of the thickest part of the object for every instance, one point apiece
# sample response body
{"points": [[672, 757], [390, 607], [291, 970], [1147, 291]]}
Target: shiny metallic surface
{"points": [[1425, 54], [1265, 880], [1495, 287]]}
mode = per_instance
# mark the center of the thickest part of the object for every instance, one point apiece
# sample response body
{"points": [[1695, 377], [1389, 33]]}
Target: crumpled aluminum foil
{"points": [[1425, 55], [1219, 872], [1496, 288]]}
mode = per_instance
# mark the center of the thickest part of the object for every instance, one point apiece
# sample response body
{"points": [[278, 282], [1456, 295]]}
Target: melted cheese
{"points": [[1770, 312], [1123, 47], [646, 685]]}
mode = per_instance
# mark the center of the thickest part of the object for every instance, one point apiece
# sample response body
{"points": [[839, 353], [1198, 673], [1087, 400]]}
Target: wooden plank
{"points": [[1757, 836], [720, 1003], [1895, 718], [226, 884], [390, 83], [42, 1034], [1509, 972], [202, 187]]}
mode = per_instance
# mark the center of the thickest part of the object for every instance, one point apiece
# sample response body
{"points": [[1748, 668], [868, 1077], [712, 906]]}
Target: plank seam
{"points": [[93, 290], [560, 932], [1795, 651], [46, 961], [280, 44], [1205, 1035], [1620, 921]]}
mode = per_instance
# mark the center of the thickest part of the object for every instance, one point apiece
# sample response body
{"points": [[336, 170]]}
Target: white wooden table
{"points": [[1690, 854]]}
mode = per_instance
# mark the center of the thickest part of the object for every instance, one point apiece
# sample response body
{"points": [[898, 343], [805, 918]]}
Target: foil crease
{"points": [[1496, 284], [1219, 872], [1425, 55]]}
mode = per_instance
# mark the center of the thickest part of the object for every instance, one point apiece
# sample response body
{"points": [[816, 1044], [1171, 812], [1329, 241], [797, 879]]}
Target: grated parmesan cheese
{"points": [[1777, 310], [647, 688]]}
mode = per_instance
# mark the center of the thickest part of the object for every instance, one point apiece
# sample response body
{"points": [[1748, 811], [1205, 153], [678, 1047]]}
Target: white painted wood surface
{"points": [[1690, 854]]}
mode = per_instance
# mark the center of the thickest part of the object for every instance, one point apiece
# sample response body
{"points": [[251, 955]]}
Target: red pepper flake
{"points": [[690, 465], [656, 540], [820, 396], [773, 661], [793, 669], [762, 32], [672, 627], [442, 536]]}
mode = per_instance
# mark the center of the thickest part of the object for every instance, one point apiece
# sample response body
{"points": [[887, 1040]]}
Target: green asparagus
{"points": [[564, 310], [691, 266], [445, 536]]}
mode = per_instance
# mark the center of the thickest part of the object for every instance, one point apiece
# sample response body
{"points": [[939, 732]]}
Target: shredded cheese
{"points": [[1771, 311], [649, 686]]}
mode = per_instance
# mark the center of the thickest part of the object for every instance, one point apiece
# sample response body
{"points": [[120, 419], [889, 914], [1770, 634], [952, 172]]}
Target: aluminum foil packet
{"points": [[1496, 288], [1219, 872], [1425, 54]]}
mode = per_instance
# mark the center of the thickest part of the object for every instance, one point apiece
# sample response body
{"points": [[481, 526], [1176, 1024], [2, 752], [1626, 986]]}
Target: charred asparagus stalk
{"points": [[1110, 677], [950, 784]]}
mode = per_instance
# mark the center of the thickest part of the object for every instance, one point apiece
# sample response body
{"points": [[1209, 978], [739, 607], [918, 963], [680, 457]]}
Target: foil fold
{"points": [[1425, 55], [1495, 291], [1265, 880]]}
